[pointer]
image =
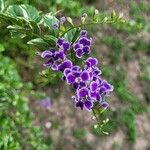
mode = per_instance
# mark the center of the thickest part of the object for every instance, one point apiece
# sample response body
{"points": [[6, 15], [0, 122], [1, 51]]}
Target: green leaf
{"points": [[2, 5], [7, 18], [25, 11], [50, 39], [37, 42], [49, 20], [1, 48], [16, 34], [35, 27], [72, 35], [17, 31]]}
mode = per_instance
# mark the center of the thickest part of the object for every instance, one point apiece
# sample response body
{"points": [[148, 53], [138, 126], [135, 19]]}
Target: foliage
{"points": [[69, 7], [116, 45], [17, 128]]}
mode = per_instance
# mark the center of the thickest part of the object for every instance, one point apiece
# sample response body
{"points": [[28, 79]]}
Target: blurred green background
{"points": [[124, 55]]}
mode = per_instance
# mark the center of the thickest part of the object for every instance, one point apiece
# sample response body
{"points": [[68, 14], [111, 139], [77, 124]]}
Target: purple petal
{"points": [[52, 50], [79, 104], [92, 95], [75, 68], [85, 76], [102, 90], [82, 84], [83, 92], [64, 65], [104, 105], [76, 46], [59, 42], [86, 49], [83, 33], [84, 41], [62, 20], [97, 72], [70, 78], [88, 104], [66, 46], [54, 66], [98, 97], [66, 71], [107, 85], [93, 86], [76, 74], [91, 61], [60, 55], [46, 54], [75, 85], [79, 53]]}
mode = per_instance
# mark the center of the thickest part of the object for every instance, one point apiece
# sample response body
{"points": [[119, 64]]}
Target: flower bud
{"points": [[96, 12], [84, 15], [95, 126], [70, 21], [93, 118]]}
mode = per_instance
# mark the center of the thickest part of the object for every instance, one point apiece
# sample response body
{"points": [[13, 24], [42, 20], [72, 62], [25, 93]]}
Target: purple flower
{"points": [[62, 20], [64, 65], [55, 26], [104, 105], [45, 103], [83, 33], [83, 92], [91, 62], [86, 104], [76, 76], [82, 46], [63, 45], [54, 58]]}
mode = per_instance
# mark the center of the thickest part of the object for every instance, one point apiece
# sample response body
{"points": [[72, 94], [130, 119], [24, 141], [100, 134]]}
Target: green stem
{"points": [[83, 25], [98, 122]]}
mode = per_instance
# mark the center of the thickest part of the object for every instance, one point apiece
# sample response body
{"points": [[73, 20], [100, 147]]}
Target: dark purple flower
{"points": [[82, 46], [63, 45], [91, 62], [46, 54], [93, 86], [85, 104], [64, 65], [53, 58], [70, 78], [76, 76], [106, 85], [88, 104], [83, 33], [104, 105], [80, 104], [83, 92], [85, 76]]}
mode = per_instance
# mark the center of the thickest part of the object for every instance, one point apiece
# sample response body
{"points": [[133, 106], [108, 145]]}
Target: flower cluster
{"points": [[82, 46], [88, 85], [56, 59]]}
